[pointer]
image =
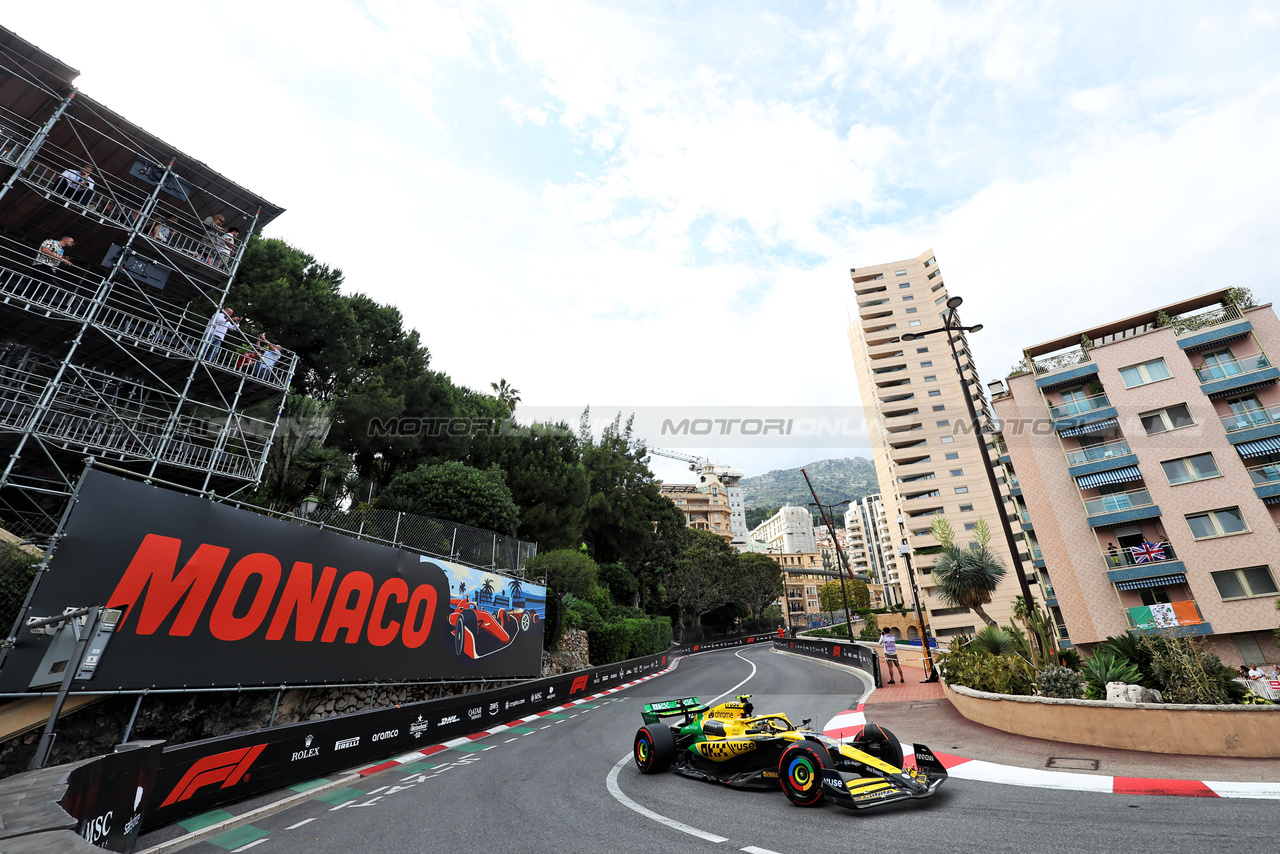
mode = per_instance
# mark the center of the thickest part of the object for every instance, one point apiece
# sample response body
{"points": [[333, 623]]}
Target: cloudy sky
{"points": [[654, 206]]}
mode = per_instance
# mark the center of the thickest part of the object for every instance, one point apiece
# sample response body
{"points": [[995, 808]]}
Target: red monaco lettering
{"points": [[344, 615], [300, 597], [424, 597], [379, 634], [154, 569], [223, 622]]}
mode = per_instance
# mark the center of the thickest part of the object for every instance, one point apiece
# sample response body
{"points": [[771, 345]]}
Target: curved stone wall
{"points": [[1239, 731]]}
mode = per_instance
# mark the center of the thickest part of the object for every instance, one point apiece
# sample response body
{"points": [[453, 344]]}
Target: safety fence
{"points": [[854, 654]]}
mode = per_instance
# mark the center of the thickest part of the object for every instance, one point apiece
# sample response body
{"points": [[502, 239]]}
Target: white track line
{"points": [[616, 791]]}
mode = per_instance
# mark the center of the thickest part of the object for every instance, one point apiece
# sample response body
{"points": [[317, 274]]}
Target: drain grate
{"points": [[924, 705], [1072, 764]]}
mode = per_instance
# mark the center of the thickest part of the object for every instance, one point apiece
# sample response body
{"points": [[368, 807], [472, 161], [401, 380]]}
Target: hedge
{"points": [[629, 638]]}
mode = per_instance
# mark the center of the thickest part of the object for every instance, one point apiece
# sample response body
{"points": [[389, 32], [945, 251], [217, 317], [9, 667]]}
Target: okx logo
{"points": [[579, 684], [226, 768]]}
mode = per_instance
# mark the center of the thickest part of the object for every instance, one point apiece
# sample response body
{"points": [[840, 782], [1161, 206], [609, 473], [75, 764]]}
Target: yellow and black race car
{"points": [[729, 744]]}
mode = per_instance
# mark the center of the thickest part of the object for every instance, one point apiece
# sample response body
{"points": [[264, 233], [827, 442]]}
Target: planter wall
{"points": [[1240, 731]]}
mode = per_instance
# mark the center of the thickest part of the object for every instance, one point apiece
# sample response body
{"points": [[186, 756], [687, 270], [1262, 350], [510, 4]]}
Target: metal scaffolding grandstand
{"points": [[115, 355]]}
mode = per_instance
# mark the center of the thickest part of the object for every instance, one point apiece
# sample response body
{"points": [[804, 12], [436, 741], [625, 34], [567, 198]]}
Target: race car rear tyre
{"points": [[654, 749], [800, 773], [880, 743]]}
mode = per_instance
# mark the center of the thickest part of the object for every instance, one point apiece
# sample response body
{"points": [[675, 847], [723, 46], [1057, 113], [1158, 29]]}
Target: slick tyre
{"points": [[654, 749], [880, 743], [800, 773]]}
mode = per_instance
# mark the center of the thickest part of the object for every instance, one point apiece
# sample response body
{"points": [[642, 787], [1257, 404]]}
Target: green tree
{"points": [[831, 597], [507, 395], [756, 515], [662, 552], [617, 523], [966, 577], [757, 582], [701, 580], [567, 571], [458, 493]]}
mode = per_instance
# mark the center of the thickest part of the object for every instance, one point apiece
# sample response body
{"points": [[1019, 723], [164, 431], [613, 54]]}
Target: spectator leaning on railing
{"points": [[53, 252]]}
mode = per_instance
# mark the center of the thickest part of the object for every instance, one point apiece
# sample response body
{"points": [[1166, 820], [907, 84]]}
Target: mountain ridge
{"points": [[833, 480]]}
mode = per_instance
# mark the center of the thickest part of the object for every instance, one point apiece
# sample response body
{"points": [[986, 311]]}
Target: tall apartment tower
{"points": [[116, 251], [928, 460], [873, 549], [789, 531], [1145, 459]]}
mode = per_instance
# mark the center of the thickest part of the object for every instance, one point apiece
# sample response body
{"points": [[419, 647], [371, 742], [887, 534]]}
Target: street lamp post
{"points": [[844, 567], [904, 551], [951, 324]]}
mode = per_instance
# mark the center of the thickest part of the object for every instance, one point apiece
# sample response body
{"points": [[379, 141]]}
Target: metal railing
{"points": [[1250, 418], [1097, 453], [1025, 518], [1233, 367], [1036, 554], [1264, 474], [1117, 501], [1137, 555], [1071, 358], [1079, 406], [1205, 319]]}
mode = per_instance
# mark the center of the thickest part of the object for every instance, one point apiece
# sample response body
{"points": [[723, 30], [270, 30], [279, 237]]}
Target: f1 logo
{"points": [[226, 768], [579, 684]]}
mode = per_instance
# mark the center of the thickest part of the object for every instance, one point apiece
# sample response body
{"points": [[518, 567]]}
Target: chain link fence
{"points": [[18, 568]]}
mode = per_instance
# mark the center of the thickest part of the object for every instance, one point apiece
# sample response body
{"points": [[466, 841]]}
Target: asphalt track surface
{"points": [[560, 784]]}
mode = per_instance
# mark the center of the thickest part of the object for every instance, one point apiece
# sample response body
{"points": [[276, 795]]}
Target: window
{"points": [[926, 364], [1187, 469], [1245, 583], [1217, 523], [931, 262], [957, 472], [944, 423], [899, 272], [1147, 372], [914, 323], [940, 300], [922, 349], [920, 532], [908, 298], [935, 393], [1169, 418], [941, 407], [961, 490], [953, 455], [969, 526], [931, 378], [904, 285], [947, 440], [912, 310], [966, 508]]}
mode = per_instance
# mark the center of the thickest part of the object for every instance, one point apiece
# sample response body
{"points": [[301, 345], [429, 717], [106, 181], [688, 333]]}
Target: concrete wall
{"points": [[1242, 731]]}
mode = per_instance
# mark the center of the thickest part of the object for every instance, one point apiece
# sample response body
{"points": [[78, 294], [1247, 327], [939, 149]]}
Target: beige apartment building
{"points": [[800, 603], [1145, 454], [927, 458], [872, 550], [707, 510]]}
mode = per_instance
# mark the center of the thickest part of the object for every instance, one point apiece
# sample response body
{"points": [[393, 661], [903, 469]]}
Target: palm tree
{"points": [[966, 577], [507, 395], [486, 589]]}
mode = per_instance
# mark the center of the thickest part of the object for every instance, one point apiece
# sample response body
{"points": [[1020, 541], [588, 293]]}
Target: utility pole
{"points": [[844, 593]]}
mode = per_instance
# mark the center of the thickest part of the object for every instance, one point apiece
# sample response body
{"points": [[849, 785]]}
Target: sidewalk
{"points": [[920, 713]]}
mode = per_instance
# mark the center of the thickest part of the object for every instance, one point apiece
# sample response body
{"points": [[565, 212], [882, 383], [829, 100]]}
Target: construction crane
{"points": [[695, 463]]}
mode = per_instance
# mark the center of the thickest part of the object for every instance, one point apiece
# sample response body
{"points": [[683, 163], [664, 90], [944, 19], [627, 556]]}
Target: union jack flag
{"points": [[1147, 552]]}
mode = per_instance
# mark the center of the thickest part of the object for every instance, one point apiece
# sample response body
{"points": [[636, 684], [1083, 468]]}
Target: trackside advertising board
{"points": [[725, 643], [219, 597], [200, 775], [862, 657]]}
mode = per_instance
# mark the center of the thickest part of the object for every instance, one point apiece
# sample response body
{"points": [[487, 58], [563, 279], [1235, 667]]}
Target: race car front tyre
{"points": [[800, 773], [880, 743], [654, 749]]}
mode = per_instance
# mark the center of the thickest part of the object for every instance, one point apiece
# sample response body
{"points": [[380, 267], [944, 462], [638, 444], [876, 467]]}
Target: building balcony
{"points": [[1064, 368], [1181, 618], [12, 143], [1074, 413], [1100, 458], [1266, 480], [1118, 507], [1252, 424], [1234, 375], [1196, 331], [1025, 518], [1137, 564]]}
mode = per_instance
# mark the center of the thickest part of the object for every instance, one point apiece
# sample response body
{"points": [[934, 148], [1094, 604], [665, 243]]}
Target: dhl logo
{"points": [[719, 751]]}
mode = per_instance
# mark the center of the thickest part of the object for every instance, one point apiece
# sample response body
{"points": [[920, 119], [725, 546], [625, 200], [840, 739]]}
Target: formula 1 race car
{"points": [[728, 744], [478, 631]]}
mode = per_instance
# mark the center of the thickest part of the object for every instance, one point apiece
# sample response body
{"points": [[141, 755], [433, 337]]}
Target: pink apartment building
{"points": [[1144, 458]]}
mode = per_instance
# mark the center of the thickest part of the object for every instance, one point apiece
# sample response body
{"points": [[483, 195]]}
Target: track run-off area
{"points": [[565, 781]]}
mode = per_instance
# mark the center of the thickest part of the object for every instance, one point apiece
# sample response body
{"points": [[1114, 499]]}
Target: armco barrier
{"points": [[725, 643], [862, 657], [197, 776]]}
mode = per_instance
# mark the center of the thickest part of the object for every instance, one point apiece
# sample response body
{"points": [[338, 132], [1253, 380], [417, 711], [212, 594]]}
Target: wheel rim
{"points": [[802, 775], [644, 750]]}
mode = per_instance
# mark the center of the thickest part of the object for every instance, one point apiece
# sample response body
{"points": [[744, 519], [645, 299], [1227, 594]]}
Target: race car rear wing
{"points": [[654, 712]]}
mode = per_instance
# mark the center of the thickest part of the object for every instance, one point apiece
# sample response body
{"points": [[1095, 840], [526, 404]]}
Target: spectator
{"points": [[163, 231], [269, 354], [890, 644], [226, 247], [76, 184], [215, 225], [1244, 671], [53, 252], [1255, 672], [219, 325]]}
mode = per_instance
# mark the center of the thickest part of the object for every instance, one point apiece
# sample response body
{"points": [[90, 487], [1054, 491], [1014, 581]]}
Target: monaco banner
{"points": [[212, 596]]}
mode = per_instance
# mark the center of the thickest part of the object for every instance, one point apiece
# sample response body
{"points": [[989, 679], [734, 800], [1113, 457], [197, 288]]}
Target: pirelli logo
{"points": [[719, 751]]}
